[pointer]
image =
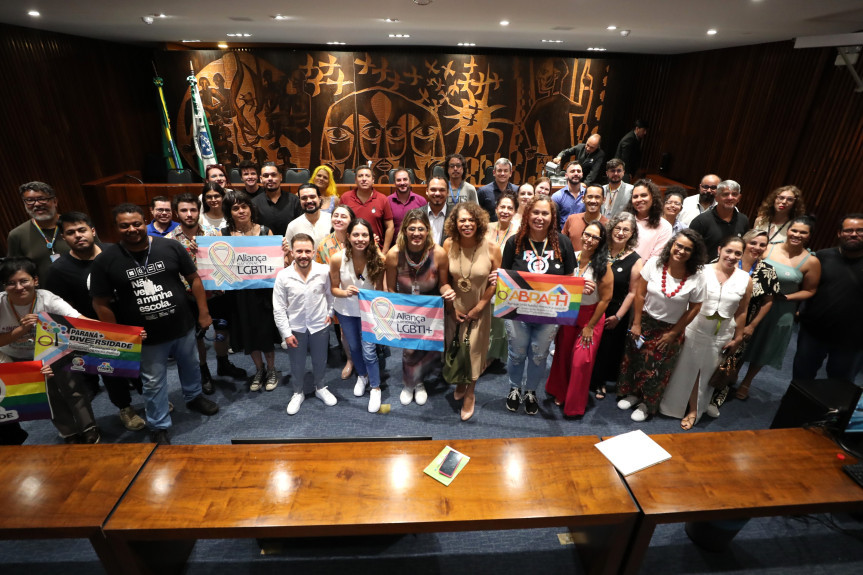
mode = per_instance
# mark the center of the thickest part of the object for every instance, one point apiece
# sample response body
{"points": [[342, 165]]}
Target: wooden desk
{"points": [[65, 491], [665, 183], [739, 474], [313, 490]]}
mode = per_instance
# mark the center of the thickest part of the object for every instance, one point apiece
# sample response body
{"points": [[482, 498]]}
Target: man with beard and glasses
{"points": [[830, 320], [37, 238], [303, 308], [693, 206]]}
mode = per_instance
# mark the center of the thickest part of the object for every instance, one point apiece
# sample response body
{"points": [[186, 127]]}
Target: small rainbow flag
{"points": [[537, 298], [22, 392]]}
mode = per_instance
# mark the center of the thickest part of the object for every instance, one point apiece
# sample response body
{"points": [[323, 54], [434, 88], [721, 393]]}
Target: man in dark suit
{"points": [[629, 149], [589, 156]]}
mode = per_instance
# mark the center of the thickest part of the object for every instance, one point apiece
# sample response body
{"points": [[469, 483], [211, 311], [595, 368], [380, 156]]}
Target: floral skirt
{"points": [[645, 372]]}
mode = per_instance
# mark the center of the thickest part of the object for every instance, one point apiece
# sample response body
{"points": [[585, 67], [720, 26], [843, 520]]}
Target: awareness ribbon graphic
{"points": [[222, 256], [383, 311]]}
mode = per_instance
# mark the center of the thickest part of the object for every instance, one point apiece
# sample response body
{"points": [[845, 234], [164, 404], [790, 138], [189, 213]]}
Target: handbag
{"points": [[726, 373], [457, 365]]}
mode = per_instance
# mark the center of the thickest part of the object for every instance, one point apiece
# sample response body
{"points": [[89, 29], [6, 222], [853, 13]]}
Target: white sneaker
{"points": [[640, 413], [374, 400], [627, 402], [360, 387], [324, 395], [296, 401], [420, 395], [712, 410], [406, 396]]}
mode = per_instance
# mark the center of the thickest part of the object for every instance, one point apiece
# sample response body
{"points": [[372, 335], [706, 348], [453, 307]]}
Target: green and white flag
{"points": [[200, 128]]}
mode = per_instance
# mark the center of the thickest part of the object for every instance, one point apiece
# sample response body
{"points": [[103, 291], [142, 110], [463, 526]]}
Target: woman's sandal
{"points": [[600, 393], [742, 392], [687, 422]]}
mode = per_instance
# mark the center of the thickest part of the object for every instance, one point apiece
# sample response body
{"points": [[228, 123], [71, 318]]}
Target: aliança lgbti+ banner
{"points": [[402, 320], [537, 298], [239, 262]]}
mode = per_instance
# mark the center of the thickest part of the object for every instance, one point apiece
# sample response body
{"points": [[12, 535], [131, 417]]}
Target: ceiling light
{"points": [[161, 15], [467, 43], [223, 45], [612, 27], [189, 40], [596, 49], [422, 2], [504, 22], [625, 33], [552, 41], [280, 17], [711, 32], [239, 35], [34, 13], [147, 19], [400, 35], [334, 43], [391, 20]]}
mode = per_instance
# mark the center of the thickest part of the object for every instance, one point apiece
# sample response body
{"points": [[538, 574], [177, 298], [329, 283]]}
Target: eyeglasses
{"points": [[455, 165], [619, 230], [21, 283], [162, 210], [851, 232], [39, 200], [587, 236], [706, 187], [683, 248]]}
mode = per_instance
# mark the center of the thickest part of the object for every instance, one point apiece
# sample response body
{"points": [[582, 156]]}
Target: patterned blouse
{"points": [[328, 246]]}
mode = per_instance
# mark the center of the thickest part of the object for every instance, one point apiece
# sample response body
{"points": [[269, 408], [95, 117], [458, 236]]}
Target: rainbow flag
{"points": [[88, 346], [401, 320], [537, 298], [239, 262], [22, 392]]}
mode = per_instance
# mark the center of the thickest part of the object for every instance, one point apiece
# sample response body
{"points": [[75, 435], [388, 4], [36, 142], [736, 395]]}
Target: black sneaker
{"points": [[206, 380], [226, 368], [513, 400], [203, 406], [160, 437], [531, 406], [72, 439], [91, 436]]}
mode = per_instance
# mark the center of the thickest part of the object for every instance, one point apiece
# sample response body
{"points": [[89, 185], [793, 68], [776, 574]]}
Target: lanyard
{"points": [[48, 243], [454, 197]]}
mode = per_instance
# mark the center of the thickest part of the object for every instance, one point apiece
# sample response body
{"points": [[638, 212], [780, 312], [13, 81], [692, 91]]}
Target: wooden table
{"points": [[664, 183], [313, 490], [739, 474], [65, 491]]}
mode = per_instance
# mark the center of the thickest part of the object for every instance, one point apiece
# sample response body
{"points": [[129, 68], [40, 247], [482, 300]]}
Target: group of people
{"points": [[679, 292]]}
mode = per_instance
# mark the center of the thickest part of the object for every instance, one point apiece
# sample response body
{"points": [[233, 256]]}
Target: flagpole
{"points": [[200, 126], [166, 122]]}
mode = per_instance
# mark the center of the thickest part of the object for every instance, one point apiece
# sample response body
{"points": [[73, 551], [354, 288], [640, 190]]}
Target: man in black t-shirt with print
{"points": [[143, 273]]}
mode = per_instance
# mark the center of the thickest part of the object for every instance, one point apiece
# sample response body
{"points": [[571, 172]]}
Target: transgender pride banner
{"points": [[537, 298], [22, 392], [239, 262], [401, 320], [88, 346]]}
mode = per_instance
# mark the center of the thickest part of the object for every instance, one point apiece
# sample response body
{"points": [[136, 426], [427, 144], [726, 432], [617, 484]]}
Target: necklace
{"points": [[464, 284], [498, 240], [679, 287], [32, 332], [539, 263], [619, 255], [578, 264], [48, 243], [413, 270]]}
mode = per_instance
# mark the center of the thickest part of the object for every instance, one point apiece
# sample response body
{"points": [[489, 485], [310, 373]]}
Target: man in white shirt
{"points": [[616, 192], [302, 306], [436, 193], [696, 205], [313, 222]]}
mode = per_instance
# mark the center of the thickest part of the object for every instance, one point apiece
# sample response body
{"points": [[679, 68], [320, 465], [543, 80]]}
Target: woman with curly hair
{"points": [[418, 266], [778, 210], [569, 379], [653, 230], [537, 248], [358, 266], [626, 270], [471, 259], [324, 179], [668, 298]]}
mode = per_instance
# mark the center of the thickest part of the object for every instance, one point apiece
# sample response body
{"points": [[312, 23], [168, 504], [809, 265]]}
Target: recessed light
{"points": [[612, 27], [335, 43], [504, 22], [711, 32], [596, 49], [239, 35], [223, 45], [34, 13], [467, 44], [391, 20], [280, 17], [161, 15], [187, 41], [422, 2], [625, 33], [400, 35], [544, 41]]}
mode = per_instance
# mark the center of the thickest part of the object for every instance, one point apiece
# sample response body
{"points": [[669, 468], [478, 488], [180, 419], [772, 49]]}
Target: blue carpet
{"points": [[770, 545]]}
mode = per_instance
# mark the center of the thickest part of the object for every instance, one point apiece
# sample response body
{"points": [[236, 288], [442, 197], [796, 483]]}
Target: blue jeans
{"points": [[315, 345], [154, 376], [842, 362], [524, 337], [363, 353]]}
